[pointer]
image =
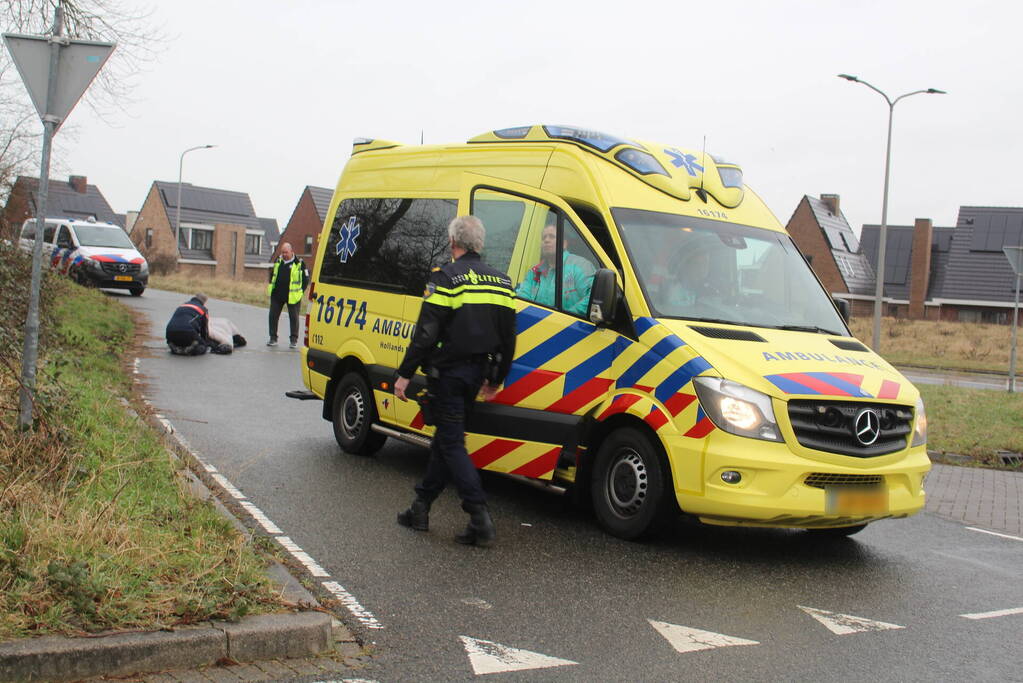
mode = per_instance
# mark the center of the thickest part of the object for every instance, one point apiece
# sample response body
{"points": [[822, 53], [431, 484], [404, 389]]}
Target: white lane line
{"points": [[686, 639], [991, 615], [303, 557], [263, 520], [995, 533], [364, 616], [488, 657], [229, 487], [844, 624]]}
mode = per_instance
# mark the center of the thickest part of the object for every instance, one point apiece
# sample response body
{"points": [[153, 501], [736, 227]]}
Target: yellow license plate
{"points": [[123, 278], [857, 501]]}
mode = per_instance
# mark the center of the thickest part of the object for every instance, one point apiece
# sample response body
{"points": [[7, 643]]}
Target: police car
{"points": [[91, 253]]}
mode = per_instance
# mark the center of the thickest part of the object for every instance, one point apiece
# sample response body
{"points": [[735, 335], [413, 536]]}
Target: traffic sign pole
{"points": [[56, 72]]}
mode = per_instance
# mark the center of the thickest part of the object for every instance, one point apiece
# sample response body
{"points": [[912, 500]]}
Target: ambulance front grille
{"points": [[830, 426]]}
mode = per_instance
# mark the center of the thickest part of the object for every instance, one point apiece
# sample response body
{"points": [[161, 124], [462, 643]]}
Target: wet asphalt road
{"points": [[555, 584]]}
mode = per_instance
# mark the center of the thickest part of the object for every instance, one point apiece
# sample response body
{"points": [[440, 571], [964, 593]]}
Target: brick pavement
{"points": [[983, 497]]}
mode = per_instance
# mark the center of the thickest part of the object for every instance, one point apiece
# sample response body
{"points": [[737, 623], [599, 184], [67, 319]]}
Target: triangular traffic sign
{"points": [[488, 657], [79, 62], [844, 624], [685, 639]]}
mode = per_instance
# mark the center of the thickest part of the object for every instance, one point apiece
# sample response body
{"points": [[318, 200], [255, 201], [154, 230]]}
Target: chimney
{"points": [[831, 201], [78, 182], [920, 267]]}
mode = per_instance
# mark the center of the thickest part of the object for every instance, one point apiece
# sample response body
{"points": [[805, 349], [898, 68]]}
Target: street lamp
{"points": [[177, 218], [882, 242]]}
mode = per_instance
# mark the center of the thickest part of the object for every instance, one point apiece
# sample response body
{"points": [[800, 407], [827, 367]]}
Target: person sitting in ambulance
{"points": [[576, 276], [692, 287]]}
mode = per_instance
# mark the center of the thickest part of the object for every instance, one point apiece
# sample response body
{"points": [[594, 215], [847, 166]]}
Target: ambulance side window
{"points": [[389, 244], [503, 216], [560, 266]]}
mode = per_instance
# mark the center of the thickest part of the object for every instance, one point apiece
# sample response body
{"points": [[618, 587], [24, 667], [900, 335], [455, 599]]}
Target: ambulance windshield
{"points": [[703, 269]]}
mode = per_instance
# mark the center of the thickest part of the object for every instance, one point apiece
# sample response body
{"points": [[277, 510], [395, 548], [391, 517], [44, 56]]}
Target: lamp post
{"points": [[1015, 256], [177, 209], [882, 241]]}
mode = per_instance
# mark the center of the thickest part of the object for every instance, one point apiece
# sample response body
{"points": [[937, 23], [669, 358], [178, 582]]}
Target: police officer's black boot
{"points": [[417, 516], [480, 530]]}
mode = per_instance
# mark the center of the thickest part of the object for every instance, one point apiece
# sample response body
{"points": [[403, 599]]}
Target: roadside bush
{"points": [[162, 264]]}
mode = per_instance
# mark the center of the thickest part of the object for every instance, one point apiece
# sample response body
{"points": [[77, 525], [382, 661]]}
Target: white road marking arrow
{"points": [[844, 624], [488, 657], [685, 639]]}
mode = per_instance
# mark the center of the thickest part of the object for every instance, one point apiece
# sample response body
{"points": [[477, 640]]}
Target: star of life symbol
{"points": [[346, 245], [680, 159]]}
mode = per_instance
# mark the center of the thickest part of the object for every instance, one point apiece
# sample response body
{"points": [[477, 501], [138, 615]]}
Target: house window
{"points": [[202, 240], [149, 238], [253, 244], [308, 245], [196, 238]]}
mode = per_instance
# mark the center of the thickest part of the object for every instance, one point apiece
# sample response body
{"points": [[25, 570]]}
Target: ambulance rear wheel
{"points": [[353, 413], [628, 490]]}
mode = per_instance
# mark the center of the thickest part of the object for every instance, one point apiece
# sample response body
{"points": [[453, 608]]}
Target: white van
{"points": [[91, 253]]}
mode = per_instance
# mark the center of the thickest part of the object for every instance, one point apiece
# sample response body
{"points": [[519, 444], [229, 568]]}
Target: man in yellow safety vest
{"points": [[288, 279]]}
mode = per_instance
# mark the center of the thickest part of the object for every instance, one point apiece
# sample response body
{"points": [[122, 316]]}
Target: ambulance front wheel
{"points": [[353, 414], [629, 487]]}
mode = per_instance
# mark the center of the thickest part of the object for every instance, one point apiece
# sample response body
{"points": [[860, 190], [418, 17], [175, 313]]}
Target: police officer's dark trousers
{"points": [[454, 393]]}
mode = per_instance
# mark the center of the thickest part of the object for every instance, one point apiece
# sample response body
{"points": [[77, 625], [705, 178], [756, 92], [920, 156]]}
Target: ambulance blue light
{"points": [[641, 162], [591, 138], [730, 177], [513, 133]]}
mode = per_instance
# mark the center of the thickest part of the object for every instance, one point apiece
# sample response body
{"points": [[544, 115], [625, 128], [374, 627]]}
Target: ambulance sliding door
{"points": [[562, 361]]}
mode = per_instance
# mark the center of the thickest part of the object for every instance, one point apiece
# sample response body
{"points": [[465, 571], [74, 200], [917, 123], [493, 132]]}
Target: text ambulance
{"points": [[674, 349]]}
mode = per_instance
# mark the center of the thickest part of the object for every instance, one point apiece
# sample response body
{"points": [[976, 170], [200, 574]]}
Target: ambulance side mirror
{"points": [[603, 297], [843, 308]]}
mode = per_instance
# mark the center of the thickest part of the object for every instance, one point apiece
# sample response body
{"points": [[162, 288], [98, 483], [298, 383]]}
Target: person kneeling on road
{"points": [[467, 319], [188, 330]]}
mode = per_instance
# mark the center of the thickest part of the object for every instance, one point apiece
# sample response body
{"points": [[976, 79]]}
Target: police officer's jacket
{"points": [[468, 312], [191, 316]]}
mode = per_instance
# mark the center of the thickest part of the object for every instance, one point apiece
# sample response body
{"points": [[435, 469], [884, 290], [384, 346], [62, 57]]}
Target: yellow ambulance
{"points": [[674, 351]]}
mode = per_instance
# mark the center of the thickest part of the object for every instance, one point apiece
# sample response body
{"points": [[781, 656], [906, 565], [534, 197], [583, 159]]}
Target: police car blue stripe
{"points": [[681, 377], [529, 316]]}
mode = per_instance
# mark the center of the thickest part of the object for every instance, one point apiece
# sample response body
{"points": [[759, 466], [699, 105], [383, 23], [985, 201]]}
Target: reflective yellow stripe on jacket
{"points": [[455, 297]]}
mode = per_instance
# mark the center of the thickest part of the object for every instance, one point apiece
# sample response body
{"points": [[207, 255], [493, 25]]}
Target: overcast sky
{"points": [[282, 88]]}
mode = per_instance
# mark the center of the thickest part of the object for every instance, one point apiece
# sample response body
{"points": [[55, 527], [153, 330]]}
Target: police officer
{"points": [[188, 329], [465, 341]]}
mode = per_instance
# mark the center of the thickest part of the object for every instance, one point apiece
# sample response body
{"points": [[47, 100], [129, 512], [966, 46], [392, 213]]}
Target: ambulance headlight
{"points": [[737, 409], [920, 430]]}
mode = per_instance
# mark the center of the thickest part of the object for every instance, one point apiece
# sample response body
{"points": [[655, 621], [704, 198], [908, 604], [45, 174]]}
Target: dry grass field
{"points": [[947, 345]]}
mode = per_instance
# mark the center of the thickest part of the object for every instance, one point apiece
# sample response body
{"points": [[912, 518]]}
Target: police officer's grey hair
{"points": [[468, 233], [201, 297]]}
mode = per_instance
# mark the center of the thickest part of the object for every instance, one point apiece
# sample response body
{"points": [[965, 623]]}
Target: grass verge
{"points": [[96, 530], [940, 344], [973, 422], [253, 293]]}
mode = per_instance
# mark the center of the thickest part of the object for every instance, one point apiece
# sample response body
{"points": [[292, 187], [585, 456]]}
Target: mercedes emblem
{"points": [[867, 426]]}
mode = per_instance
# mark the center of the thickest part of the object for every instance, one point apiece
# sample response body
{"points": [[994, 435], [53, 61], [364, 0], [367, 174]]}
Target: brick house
{"points": [[303, 228], [220, 234], [823, 235], [957, 274], [73, 198]]}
